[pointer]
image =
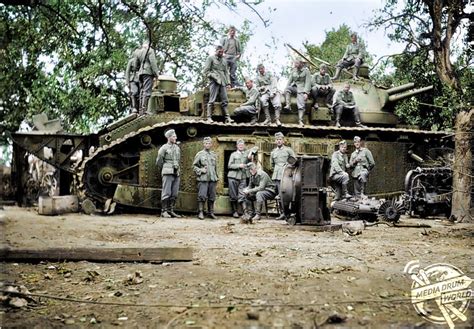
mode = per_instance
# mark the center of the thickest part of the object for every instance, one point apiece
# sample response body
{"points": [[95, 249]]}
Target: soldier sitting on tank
{"points": [[266, 84], [248, 109], [133, 83], [345, 100], [260, 189], [215, 69], [361, 163], [205, 168], [299, 84], [321, 85], [338, 176], [148, 70], [354, 55]]}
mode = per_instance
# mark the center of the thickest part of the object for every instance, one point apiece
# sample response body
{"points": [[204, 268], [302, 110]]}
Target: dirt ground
{"points": [[265, 275]]}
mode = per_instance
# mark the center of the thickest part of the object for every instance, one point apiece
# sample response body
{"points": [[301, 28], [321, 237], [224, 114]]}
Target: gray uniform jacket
{"points": [[216, 70], [146, 65], [354, 51], [345, 99], [251, 96], [338, 163], [131, 73], [236, 159], [260, 182], [321, 80], [205, 166], [266, 83], [225, 43], [301, 79], [168, 159], [361, 159], [278, 158]]}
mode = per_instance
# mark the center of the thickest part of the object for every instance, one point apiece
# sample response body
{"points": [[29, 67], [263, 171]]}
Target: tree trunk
{"points": [[463, 189]]}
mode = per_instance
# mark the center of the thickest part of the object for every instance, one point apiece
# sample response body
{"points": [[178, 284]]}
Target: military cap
{"points": [[323, 66], [251, 165], [357, 139], [219, 47], [342, 142], [260, 65], [240, 141], [170, 133], [279, 134], [207, 139]]}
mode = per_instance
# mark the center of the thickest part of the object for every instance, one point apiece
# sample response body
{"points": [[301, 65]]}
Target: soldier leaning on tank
{"points": [[266, 84], [168, 159], [215, 69], [338, 176], [232, 53], [345, 100], [354, 55], [299, 84], [361, 162], [147, 71], [249, 107], [260, 189], [237, 175], [133, 82], [205, 168], [279, 158], [321, 85]]}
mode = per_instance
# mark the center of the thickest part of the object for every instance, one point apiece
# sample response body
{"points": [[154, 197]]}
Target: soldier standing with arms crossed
{"points": [[362, 163]]}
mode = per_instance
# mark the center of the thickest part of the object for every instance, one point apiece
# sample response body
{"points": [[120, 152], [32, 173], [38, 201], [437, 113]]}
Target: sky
{"points": [[297, 21]]}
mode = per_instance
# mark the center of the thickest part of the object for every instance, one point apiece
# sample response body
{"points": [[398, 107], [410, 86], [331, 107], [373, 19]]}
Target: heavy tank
{"points": [[119, 161]]}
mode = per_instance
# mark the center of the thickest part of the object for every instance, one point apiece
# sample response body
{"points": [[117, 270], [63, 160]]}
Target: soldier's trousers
{"points": [[277, 186], [329, 93], [135, 89], [245, 111], [338, 181], [275, 100], [346, 64], [360, 181], [146, 84], [232, 64], [338, 108], [261, 196], [215, 90], [300, 102], [236, 186], [169, 187], [206, 191]]}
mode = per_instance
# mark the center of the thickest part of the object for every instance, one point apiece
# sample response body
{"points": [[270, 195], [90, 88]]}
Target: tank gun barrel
{"points": [[397, 97], [401, 88]]}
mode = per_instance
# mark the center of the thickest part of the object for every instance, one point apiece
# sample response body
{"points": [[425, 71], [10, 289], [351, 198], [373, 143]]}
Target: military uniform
{"points": [[354, 55], [321, 85], [248, 108], [362, 163], [148, 69], [232, 49], [279, 158], [260, 189], [205, 168], [215, 69], [337, 173], [133, 82], [168, 159], [299, 84], [267, 85], [346, 101]]}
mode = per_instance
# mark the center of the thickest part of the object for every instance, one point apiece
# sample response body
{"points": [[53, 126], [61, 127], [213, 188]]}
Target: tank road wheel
{"points": [[291, 220]]}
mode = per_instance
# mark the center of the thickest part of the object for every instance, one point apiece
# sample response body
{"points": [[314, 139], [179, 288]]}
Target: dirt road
{"points": [[263, 275]]}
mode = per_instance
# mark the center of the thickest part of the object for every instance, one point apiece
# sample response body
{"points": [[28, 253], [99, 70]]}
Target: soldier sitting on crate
{"points": [[338, 176], [260, 189], [248, 109]]}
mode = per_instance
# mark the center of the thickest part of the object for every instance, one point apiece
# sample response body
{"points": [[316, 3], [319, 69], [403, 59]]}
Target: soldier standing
{"points": [[215, 69], [147, 71], [362, 162], [337, 174], [345, 100], [205, 168], [168, 159], [299, 84], [260, 189], [279, 158], [232, 52], [321, 85], [249, 107], [133, 82], [237, 175], [354, 55], [266, 84]]}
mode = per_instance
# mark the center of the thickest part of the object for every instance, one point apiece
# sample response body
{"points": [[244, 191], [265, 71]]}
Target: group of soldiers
{"points": [[250, 187], [261, 92]]}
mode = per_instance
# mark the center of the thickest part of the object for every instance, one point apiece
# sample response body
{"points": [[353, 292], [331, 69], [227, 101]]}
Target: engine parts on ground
{"points": [[369, 209]]}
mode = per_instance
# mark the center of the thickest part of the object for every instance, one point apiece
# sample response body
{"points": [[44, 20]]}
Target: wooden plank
{"points": [[98, 254]]}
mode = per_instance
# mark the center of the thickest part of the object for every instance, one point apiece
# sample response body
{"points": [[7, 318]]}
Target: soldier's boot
{"points": [[253, 119], [355, 72], [135, 104], [287, 101], [201, 210], [210, 209], [144, 106], [171, 209], [300, 117], [268, 119], [338, 119], [362, 190], [227, 115], [357, 121], [277, 116], [338, 191], [337, 74], [245, 210], [258, 210], [235, 206], [165, 209], [209, 110], [345, 193], [281, 209]]}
